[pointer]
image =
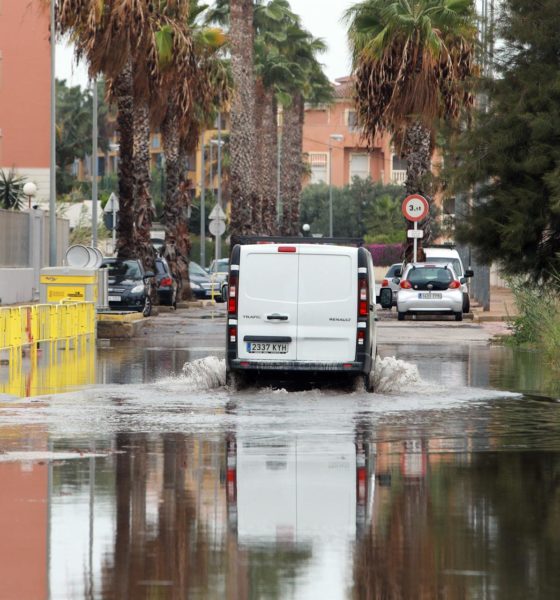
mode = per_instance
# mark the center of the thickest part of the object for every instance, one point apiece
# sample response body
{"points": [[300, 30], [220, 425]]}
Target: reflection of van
{"points": [[445, 255], [301, 308]]}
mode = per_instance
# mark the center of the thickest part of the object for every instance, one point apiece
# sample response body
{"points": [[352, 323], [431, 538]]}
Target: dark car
{"points": [[166, 284], [129, 285], [202, 286]]}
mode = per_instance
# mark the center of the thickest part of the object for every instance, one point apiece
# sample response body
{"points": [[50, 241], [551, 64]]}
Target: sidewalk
{"points": [[502, 307]]}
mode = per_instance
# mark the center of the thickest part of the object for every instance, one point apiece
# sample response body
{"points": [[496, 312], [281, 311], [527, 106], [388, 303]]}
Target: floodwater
{"points": [[443, 484]]}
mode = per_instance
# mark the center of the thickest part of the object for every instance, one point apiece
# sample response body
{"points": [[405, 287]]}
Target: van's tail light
{"points": [[363, 308], [385, 283], [406, 285], [232, 333], [287, 249], [361, 485], [454, 285], [361, 337], [166, 281], [232, 294]]}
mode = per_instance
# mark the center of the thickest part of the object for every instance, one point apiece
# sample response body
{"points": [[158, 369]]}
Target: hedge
{"points": [[384, 255]]}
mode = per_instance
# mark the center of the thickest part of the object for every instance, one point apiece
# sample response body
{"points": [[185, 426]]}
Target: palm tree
{"points": [[244, 197], [414, 63], [11, 190]]}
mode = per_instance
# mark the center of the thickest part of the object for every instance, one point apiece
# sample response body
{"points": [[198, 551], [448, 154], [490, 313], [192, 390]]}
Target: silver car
{"points": [[432, 289]]}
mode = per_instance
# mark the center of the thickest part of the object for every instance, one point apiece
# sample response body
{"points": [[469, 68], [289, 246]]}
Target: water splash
{"points": [[204, 374], [394, 375]]}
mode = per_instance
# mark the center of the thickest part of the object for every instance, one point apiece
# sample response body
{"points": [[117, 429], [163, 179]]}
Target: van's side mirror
{"points": [[469, 273], [462, 280]]}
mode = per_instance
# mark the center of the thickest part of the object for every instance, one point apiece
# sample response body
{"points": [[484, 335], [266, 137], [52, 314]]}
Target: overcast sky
{"points": [[321, 17]]}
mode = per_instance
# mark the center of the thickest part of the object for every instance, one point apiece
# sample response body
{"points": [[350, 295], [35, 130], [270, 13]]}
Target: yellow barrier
{"points": [[29, 325]]}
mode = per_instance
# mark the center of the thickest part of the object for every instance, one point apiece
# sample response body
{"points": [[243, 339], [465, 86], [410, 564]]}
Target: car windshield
{"points": [[220, 266], [160, 268], [393, 270], [439, 278], [125, 269], [454, 262], [196, 269]]}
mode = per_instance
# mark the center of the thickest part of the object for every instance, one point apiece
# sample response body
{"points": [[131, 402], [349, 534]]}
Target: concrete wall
{"points": [[16, 286]]}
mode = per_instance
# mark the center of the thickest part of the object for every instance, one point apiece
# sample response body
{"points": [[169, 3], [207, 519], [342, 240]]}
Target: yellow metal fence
{"points": [[29, 325]]}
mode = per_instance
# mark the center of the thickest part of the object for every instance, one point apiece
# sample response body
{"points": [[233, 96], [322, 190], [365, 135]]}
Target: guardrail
{"points": [[29, 325]]}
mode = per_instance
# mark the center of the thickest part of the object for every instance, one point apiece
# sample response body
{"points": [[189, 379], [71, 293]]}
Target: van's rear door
{"points": [[328, 303], [267, 305]]}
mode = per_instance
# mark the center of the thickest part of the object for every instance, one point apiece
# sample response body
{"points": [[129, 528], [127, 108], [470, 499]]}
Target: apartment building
{"points": [[335, 150], [25, 72]]}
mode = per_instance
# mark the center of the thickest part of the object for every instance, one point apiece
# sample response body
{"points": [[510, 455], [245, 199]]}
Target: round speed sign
{"points": [[415, 208]]}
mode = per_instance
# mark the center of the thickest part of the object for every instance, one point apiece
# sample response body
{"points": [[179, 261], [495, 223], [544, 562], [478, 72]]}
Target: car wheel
{"points": [[459, 316], [401, 316], [466, 304], [224, 293], [147, 310]]}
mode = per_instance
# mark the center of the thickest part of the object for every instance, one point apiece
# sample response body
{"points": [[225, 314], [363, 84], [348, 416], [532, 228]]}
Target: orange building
{"points": [[334, 149], [25, 72]]}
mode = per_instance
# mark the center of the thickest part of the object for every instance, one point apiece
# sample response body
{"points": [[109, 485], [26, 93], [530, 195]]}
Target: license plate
{"points": [[266, 348], [114, 298], [430, 296]]}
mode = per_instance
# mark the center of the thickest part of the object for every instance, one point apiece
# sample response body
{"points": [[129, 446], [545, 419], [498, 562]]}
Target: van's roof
{"points": [[317, 248], [448, 252]]}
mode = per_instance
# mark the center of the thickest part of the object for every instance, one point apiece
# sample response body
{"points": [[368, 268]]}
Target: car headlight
{"points": [[195, 286], [137, 289]]}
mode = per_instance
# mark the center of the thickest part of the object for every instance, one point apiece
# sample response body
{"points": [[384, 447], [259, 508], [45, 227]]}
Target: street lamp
{"points": [[337, 137], [306, 228], [30, 190]]}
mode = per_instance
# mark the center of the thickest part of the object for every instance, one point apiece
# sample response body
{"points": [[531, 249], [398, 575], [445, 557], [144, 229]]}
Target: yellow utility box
{"points": [[68, 284]]}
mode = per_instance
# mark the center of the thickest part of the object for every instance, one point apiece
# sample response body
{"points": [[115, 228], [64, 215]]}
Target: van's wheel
{"points": [[235, 381], [147, 310], [459, 316], [400, 316]]}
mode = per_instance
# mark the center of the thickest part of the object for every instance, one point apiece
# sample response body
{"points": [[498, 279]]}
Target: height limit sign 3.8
{"points": [[415, 208]]}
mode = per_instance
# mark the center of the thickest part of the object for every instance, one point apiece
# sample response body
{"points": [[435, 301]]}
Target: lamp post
{"points": [[337, 137], [30, 190], [94, 169], [202, 204], [52, 168]]}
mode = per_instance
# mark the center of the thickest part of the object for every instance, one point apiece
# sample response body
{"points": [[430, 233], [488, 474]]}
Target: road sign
{"points": [[217, 214], [415, 234], [217, 227], [415, 208], [112, 204]]}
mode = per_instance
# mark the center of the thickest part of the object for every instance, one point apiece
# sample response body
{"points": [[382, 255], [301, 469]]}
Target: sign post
{"points": [[415, 208]]}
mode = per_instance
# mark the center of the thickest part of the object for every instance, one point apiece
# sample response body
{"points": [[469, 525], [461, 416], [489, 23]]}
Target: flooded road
{"points": [[443, 484]]}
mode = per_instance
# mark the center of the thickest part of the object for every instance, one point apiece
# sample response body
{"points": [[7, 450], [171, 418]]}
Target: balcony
{"points": [[398, 177]]}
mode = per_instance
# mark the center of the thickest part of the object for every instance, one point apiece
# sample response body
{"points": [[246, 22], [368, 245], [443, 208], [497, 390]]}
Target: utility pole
{"points": [[202, 204], [219, 237], [52, 174], [94, 135]]}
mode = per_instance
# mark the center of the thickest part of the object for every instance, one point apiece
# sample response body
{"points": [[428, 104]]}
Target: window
{"points": [[359, 166], [155, 141], [318, 161], [351, 118]]}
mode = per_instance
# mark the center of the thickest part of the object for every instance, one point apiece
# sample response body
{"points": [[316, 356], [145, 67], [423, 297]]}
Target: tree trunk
{"points": [[292, 166], [267, 147], [242, 138], [177, 201], [418, 155], [143, 210], [126, 242]]}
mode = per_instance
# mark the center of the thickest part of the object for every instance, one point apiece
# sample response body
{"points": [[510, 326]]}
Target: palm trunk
{"points": [[125, 124], [292, 165], [243, 138], [143, 210], [177, 200], [418, 154], [267, 135]]}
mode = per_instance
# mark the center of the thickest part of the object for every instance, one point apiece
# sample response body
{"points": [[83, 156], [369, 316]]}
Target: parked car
{"points": [[444, 255], [389, 289], [202, 286], [218, 271], [166, 284], [429, 288], [301, 308], [129, 285]]}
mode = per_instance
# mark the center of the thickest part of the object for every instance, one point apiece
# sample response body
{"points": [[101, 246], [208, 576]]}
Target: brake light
{"points": [[363, 308], [406, 285], [232, 294], [287, 248], [455, 285], [166, 281], [385, 283]]}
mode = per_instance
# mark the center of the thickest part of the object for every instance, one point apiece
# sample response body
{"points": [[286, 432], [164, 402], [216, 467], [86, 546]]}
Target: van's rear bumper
{"points": [[299, 366]]}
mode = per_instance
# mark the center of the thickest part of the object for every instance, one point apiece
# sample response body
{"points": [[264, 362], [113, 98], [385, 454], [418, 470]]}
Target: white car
{"points": [[443, 255], [301, 308], [430, 289]]}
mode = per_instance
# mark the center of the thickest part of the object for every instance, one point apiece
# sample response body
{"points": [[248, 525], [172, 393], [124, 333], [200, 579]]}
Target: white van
{"points": [[301, 307], [448, 255]]}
